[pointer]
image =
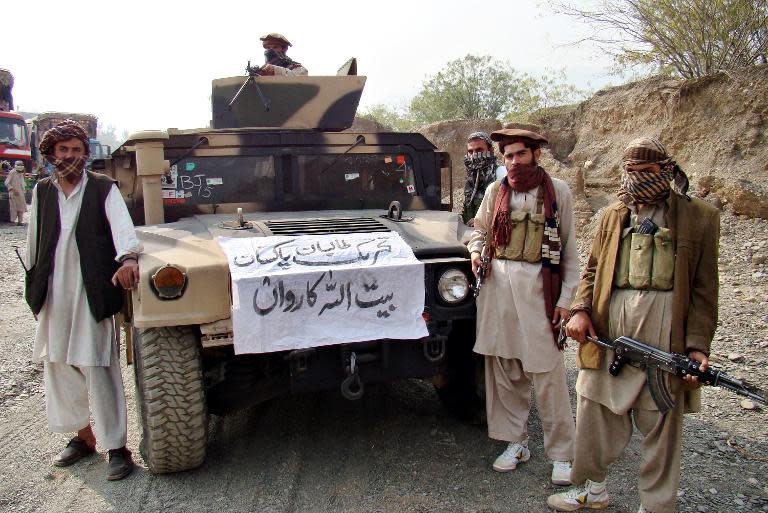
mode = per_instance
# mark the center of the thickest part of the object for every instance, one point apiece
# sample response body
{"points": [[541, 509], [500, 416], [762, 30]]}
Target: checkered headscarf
{"points": [[67, 129], [646, 186]]}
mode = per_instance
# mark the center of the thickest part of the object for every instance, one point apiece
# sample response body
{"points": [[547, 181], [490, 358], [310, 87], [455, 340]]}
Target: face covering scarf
{"points": [[70, 169]]}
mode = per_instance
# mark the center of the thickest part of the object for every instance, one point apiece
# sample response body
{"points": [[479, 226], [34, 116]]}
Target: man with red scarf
{"points": [[525, 226], [82, 253]]}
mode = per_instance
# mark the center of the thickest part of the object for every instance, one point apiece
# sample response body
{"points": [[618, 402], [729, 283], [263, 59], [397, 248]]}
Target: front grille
{"points": [[323, 226]]}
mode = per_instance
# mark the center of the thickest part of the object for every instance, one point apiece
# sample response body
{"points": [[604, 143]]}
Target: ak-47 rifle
{"points": [[252, 73], [656, 362]]}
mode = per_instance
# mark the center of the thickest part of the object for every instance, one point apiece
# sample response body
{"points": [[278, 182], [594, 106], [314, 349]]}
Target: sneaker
{"points": [[120, 464], [590, 496], [76, 449], [514, 453], [561, 473]]}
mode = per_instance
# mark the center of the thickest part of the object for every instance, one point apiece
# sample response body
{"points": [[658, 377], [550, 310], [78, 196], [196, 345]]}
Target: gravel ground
{"points": [[395, 450]]}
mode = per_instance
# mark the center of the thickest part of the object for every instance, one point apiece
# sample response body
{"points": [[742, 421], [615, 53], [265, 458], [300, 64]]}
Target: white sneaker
{"points": [[561, 473], [590, 496], [514, 453]]}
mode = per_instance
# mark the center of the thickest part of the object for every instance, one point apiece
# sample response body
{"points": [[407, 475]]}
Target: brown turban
{"points": [[67, 129]]}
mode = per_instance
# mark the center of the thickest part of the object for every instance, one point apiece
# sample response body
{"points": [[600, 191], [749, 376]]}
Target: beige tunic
{"points": [[14, 182], [644, 315], [512, 322]]}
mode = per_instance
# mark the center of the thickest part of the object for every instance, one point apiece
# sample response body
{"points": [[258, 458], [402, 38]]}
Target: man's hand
{"points": [[560, 315], [268, 70], [475, 258], [127, 275], [704, 364], [579, 326], [471, 222]]}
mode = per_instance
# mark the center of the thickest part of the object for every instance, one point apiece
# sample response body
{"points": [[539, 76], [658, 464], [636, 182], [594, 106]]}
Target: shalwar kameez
{"points": [[79, 354], [514, 332]]}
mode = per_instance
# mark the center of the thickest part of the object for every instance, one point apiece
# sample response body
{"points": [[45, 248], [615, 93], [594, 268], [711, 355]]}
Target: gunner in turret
{"points": [[277, 62]]}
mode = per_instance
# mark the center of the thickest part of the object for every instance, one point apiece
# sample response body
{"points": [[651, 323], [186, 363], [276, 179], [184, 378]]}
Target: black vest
{"points": [[94, 242]]}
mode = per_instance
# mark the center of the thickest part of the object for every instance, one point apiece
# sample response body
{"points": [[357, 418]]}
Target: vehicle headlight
{"points": [[453, 286], [169, 282]]}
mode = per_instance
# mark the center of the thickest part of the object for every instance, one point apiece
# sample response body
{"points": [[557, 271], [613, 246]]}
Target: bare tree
{"points": [[693, 38]]}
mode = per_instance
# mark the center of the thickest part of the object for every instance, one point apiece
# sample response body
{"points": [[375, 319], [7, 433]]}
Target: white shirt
{"points": [[66, 330]]}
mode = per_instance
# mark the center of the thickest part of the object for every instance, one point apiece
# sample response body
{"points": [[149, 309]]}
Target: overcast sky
{"points": [[149, 64]]}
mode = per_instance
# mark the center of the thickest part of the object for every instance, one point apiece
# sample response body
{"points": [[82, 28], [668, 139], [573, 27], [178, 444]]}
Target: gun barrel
{"points": [[721, 379]]}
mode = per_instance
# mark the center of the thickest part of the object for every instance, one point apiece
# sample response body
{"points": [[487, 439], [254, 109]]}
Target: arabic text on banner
{"points": [[295, 292]]}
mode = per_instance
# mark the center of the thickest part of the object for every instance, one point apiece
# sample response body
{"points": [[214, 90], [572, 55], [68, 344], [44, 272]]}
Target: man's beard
{"points": [[70, 169]]}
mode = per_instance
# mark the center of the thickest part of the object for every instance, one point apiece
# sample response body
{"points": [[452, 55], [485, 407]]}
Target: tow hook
{"points": [[352, 388], [434, 348]]}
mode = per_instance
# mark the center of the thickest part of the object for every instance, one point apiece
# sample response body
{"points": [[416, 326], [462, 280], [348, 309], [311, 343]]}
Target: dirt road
{"points": [[395, 450]]}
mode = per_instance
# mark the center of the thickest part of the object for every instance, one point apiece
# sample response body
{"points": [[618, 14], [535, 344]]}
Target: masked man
{"points": [[660, 288], [277, 62], [14, 182], [481, 172], [525, 226], [82, 252]]}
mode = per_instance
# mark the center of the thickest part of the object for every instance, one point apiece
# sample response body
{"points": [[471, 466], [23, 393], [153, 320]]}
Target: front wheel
{"points": [[170, 398]]}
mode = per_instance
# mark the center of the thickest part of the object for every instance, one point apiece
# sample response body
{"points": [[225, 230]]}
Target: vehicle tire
{"points": [[170, 398]]}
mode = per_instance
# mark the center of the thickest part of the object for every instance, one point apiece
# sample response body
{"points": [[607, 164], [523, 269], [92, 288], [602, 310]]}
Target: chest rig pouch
{"points": [[526, 234], [646, 261]]}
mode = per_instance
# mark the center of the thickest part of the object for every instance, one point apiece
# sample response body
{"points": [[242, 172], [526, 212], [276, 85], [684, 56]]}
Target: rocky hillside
{"points": [[715, 127]]}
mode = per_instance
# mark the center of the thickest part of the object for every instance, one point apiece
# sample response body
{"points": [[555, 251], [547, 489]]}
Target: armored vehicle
{"points": [[279, 161]]}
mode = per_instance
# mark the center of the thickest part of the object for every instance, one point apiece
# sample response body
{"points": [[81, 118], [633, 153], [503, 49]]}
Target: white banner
{"points": [[295, 292]]}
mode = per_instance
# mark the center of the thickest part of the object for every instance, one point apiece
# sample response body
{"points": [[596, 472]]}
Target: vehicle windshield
{"points": [[338, 176], [322, 180], [13, 132]]}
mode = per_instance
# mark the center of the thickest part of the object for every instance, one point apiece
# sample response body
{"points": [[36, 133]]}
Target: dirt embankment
{"points": [[715, 127]]}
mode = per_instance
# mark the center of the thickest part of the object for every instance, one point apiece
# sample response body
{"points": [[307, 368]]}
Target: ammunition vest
{"points": [[646, 262], [526, 234], [94, 243]]}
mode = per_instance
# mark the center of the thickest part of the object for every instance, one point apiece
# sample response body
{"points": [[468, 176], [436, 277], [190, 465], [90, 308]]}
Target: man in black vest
{"points": [[82, 252]]}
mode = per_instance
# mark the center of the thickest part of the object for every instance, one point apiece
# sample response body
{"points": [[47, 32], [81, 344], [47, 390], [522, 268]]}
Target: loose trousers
{"points": [[68, 389], [508, 404], [602, 436]]}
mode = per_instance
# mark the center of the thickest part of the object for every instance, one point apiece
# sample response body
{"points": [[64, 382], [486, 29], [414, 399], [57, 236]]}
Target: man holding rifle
{"points": [[652, 276], [525, 227]]}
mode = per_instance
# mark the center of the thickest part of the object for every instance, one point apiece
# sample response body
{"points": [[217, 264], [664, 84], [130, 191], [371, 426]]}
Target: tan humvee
{"points": [[274, 163]]}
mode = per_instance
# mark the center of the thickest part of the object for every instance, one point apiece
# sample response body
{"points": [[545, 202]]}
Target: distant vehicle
{"points": [[6, 86], [46, 120], [98, 150], [14, 140]]}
